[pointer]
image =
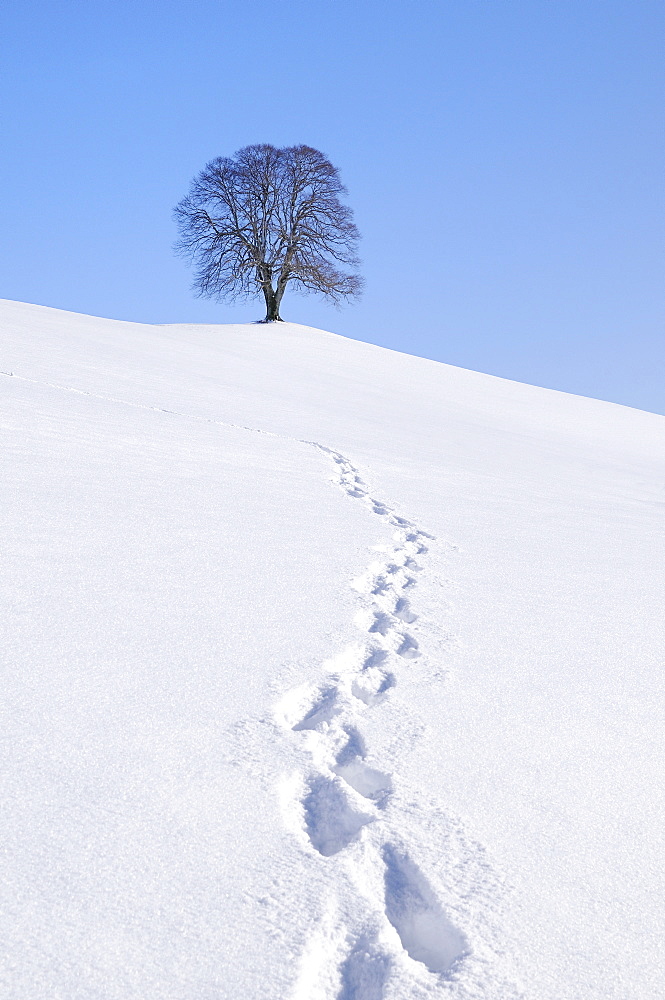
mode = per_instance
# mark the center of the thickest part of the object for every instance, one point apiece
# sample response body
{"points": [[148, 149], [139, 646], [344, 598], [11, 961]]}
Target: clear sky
{"points": [[504, 159]]}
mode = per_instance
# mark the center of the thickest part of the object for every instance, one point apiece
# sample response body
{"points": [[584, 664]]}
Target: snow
{"points": [[330, 673]]}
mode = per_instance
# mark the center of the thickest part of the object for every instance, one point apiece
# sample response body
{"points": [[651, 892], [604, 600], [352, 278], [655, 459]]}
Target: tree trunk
{"points": [[273, 300]]}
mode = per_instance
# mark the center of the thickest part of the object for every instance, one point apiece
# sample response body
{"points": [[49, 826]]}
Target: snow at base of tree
{"points": [[330, 673]]}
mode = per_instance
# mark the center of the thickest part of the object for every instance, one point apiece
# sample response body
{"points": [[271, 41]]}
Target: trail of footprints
{"points": [[343, 794]]}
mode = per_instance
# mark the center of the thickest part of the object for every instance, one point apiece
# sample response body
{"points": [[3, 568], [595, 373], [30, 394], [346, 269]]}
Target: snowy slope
{"points": [[330, 673]]}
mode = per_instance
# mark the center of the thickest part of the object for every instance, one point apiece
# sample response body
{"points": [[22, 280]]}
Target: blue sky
{"points": [[504, 159]]}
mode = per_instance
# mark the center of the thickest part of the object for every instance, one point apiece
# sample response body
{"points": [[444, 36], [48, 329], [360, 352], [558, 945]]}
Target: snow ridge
{"points": [[396, 938]]}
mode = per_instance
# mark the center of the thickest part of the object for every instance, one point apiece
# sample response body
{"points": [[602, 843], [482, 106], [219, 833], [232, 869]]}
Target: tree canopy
{"points": [[266, 217]]}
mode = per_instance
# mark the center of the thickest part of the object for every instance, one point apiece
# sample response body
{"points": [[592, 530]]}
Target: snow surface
{"points": [[330, 673]]}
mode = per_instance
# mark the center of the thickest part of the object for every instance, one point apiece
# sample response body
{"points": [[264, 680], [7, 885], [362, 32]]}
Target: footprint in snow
{"points": [[321, 712], [403, 611], [409, 648], [350, 765], [332, 820], [372, 684], [365, 970], [426, 933]]}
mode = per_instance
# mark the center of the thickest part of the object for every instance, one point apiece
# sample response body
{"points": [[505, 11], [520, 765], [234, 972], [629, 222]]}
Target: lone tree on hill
{"points": [[265, 217]]}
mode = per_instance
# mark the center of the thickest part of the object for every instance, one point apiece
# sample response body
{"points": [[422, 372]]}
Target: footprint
{"points": [[323, 711], [425, 931], [375, 659], [415, 536], [382, 623], [397, 575], [355, 747], [409, 648], [404, 612], [379, 508], [331, 820], [414, 539], [351, 767], [372, 684], [367, 781], [365, 971]]}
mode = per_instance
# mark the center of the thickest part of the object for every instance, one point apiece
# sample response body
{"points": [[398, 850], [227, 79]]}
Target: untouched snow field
{"points": [[330, 673]]}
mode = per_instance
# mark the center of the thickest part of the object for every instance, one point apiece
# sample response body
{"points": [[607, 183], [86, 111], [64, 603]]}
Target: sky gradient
{"points": [[504, 159]]}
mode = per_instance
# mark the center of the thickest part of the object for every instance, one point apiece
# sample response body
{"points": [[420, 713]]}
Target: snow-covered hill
{"points": [[330, 673]]}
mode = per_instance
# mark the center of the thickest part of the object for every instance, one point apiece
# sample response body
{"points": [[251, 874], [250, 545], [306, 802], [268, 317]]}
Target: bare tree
{"points": [[254, 222]]}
